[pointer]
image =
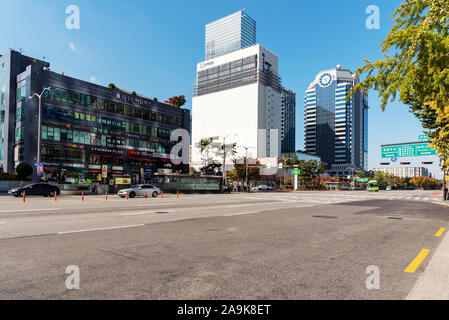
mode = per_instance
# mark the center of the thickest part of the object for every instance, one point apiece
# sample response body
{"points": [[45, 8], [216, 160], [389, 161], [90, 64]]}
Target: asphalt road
{"points": [[309, 245]]}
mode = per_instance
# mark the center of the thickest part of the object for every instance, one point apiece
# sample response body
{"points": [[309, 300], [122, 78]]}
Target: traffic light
{"points": [[424, 163], [384, 163], [405, 163]]}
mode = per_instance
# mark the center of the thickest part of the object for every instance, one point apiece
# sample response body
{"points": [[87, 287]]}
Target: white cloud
{"points": [[72, 46], [93, 79]]}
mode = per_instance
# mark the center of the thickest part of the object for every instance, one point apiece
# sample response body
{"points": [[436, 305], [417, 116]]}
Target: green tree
{"points": [[418, 70], [24, 170], [112, 86]]}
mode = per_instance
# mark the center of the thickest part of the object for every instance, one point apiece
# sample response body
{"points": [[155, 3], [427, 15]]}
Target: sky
{"points": [[152, 47]]}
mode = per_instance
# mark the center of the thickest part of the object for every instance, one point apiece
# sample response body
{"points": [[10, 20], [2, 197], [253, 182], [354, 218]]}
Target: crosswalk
{"points": [[332, 198]]}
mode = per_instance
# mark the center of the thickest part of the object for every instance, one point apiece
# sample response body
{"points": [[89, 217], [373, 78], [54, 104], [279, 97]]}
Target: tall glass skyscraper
{"points": [[336, 129], [288, 121], [228, 34]]}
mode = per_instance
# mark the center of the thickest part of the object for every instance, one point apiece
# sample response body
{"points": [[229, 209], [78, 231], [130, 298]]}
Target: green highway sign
{"points": [[408, 150], [296, 172]]}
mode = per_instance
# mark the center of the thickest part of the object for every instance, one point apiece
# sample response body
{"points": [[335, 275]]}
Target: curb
{"points": [[433, 283]]}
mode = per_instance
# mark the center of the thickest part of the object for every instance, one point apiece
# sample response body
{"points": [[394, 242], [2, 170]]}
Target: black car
{"points": [[36, 189]]}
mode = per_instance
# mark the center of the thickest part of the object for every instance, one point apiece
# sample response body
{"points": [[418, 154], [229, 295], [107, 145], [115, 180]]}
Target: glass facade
{"points": [[2, 106], [335, 127], [228, 34], [288, 121]]}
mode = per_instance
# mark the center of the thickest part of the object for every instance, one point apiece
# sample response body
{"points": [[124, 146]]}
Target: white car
{"points": [[140, 190]]}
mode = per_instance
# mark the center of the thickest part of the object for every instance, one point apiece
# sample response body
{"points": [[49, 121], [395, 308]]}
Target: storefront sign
{"points": [[122, 180], [106, 150], [104, 171]]}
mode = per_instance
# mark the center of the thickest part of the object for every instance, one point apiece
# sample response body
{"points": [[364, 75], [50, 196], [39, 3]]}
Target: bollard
{"points": [[106, 196], [145, 197], [24, 196], [56, 196], [82, 196], [127, 196], [177, 195], [162, 195]]}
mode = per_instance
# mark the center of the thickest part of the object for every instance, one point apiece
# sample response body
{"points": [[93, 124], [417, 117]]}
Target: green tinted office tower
{"points": [[228, 34]]}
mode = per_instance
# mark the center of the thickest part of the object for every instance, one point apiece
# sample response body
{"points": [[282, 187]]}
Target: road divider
{"points": [[28, 210], [417, 261], [440, 232]]}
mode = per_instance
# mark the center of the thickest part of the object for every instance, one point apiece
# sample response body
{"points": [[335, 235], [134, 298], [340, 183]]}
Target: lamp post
{"points": [[39, 125], [246, 168]]}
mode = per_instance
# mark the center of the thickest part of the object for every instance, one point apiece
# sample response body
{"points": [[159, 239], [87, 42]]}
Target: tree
{"points": [[155, 99], [419, 69], [24, 170], [240, 170], [176, 101], [112, 86]]}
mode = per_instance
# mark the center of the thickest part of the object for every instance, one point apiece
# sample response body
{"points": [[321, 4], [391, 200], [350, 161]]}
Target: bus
{"points": [[187, 183], [372, 186]]}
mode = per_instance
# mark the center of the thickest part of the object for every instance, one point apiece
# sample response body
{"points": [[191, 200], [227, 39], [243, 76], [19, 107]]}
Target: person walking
{"points": [[445, 191]]}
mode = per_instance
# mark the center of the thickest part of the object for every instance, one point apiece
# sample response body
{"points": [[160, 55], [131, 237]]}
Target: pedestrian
{"points": [[445, 192]]}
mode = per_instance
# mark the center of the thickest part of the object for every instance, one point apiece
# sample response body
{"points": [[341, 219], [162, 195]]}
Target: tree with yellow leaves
{"points": [[419, 69]]}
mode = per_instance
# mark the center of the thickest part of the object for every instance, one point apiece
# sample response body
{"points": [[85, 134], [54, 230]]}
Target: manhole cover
{"points": [[325, 217]]}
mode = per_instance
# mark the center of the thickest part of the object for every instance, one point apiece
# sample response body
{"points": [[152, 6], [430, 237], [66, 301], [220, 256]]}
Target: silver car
{"points": [[140, 190]]}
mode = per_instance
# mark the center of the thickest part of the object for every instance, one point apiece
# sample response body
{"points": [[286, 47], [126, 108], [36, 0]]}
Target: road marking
{"points": [[29, 210], [2, 222], [440, 232], [102, 229], [417, 262]]}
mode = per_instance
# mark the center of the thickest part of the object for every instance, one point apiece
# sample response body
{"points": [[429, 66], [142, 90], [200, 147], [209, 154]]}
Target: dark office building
{"points": [[288, 121], [84, 126]]}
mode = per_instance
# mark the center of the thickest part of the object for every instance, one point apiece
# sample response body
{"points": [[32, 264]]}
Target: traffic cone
{"points": [[127, 196], [24, 196], [56, 196], [106, 196], [177, 195], [145, 196], [162, 195], [82, 196]]}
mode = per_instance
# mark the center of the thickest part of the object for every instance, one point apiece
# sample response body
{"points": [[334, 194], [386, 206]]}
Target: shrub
{"points": [[24, 170]]}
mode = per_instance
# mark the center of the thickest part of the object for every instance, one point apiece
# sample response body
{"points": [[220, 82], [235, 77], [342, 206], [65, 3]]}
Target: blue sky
{"points": [[152, 47]]}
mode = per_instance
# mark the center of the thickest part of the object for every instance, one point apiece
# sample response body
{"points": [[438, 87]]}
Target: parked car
{"points": [[265, 188], [140, 190], [36, 189]]}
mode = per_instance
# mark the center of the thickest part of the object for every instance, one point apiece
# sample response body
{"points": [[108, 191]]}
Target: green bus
{"points": [[187, 183], [372, 186]]}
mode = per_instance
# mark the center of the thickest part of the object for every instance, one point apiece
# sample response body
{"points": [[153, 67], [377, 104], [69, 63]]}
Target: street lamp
{"points": [[246, 169], [39, 124]]}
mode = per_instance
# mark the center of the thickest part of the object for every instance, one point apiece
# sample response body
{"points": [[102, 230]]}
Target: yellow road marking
{"points": [[440, 232], [416, 263]]}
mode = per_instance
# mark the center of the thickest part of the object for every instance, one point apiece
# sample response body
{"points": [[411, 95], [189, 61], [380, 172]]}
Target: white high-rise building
{"points": [[237, 96], [228, 34]]}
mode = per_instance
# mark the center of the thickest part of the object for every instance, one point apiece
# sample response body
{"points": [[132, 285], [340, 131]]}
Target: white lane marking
{"points": [[145, 212], [2, 222], [102, 229], [29, 210]]}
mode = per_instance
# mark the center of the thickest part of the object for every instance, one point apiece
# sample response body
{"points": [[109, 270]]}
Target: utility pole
{"points": [[39, 125]]}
